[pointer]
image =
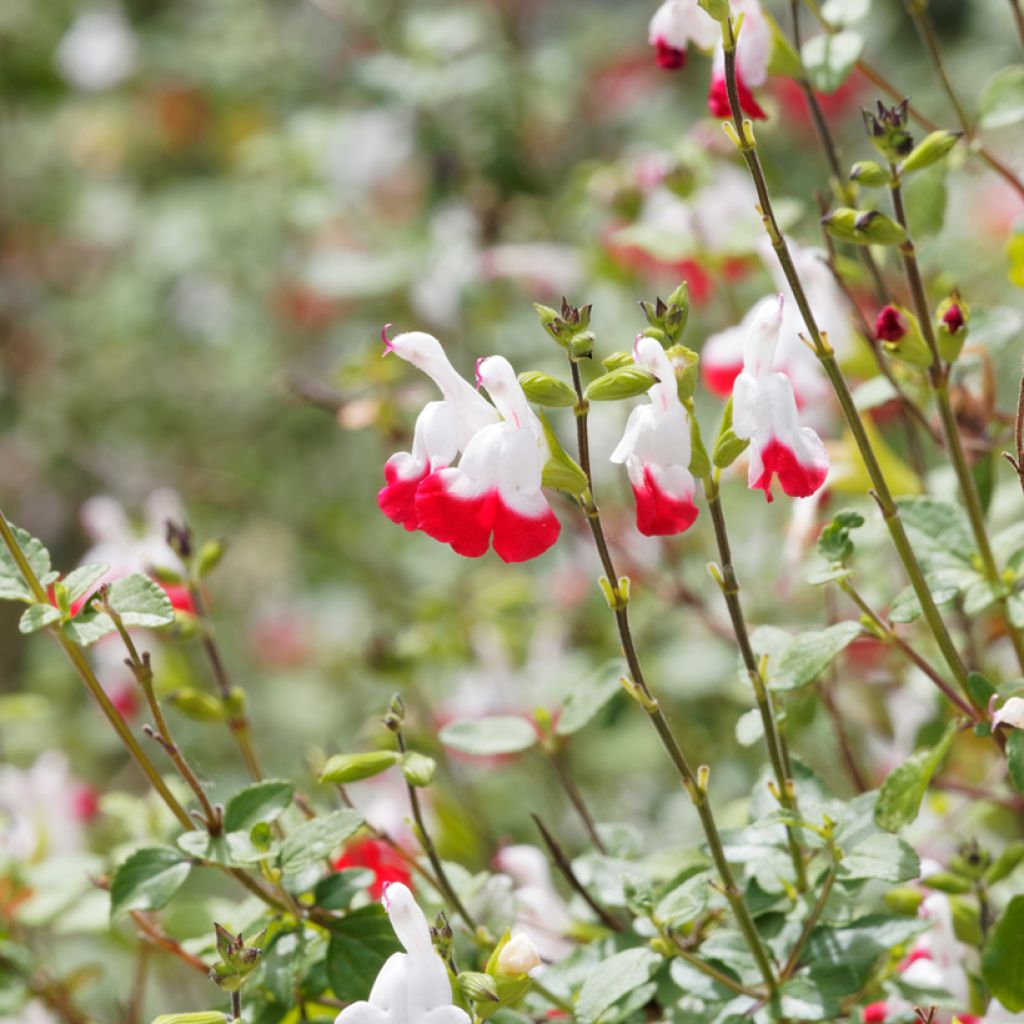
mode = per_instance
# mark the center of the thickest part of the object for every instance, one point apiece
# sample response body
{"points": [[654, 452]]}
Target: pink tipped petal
{"points": [[519, 537], [463, 522], [797, 479], [397, 499], [658, 513]]}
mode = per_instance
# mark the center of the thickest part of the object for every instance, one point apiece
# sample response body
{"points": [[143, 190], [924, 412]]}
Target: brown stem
{"points": [[157, 937], [1018, 18], [564, 775], [926, 30]]}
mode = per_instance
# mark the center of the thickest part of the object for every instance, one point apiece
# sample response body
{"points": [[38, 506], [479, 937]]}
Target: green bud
{"points": [[901, 337], [864, 227], [209, 555], [164, 575], [198, 705], [261, 835], [566, 327], [1005, 863], [728, 448], [929, 150], [560, 471], [546, 315], [888, 131], [700, 465], [581, 345], [617, 359], [951, 319], [418, 769], [344, 768], [625, 382], [478, 987], [236, 702], [946, 881], [867, 172], [685, 363], [543, 389], [668, 318], [904, 900]]}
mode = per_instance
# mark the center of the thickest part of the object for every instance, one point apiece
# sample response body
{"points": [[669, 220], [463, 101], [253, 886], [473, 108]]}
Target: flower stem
{"points": [[826, 356], [694, 785], [938, 378], [773, 738], [572, 791]]}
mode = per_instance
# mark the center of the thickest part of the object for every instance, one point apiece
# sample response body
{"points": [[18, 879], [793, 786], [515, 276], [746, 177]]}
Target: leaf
{"points": [[939, 528], [560, 470], [37, 617], [199, 1017], [344, 768], [360, 943], [829, 59], [82, 580], [1002, 961], [749, 728], [148, 879], [834, 543], [803, 999], [882, 856], [589, 696], [899, 799], [336, 891], [906, 607], [1015, 758], [314, 840], [139, 601], [686, 902], [486, 737], [262, 801], [612, 979], [1002, 99], [12, 586], [807, 655]]}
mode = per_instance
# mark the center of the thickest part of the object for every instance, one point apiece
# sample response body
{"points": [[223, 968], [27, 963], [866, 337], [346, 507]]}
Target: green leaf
{"points": [[906, 607], [1002, 99], [1002, 961], [12, 586], [141, 602], [807, 655], [899, 799], [314, 840], [882, 856], [560, 471], [1015, 758], [344, 768], [360, 943], [700, 464], [845, 12], [728, 448], [336, 891], [940, 529], [589, 696], [81, 581], [803, 999], [980, 689], [612, 979], [37, 617], [625, 382], [148, 879], [486, 737], [834, 543], [829, 59], [262, 801]]}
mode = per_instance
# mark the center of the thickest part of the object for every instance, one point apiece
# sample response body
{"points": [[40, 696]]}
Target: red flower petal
{"points": [[671, 58], [875, 1013], [397, 499], [659, 514], [383, 860], [718, 100], [797, 480], [719, 379], [518, 538], [464, 523]]}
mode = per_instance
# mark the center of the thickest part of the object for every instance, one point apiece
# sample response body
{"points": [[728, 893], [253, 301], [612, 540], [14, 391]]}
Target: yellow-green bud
{"points": [[929, 150], [478, 987], [209, 555], [625, 382], [951, 327], [344, 768], [904, 900], [418, 769], [867, 172], [543, 389], [198, 705], [617, 359], [864, 227]]}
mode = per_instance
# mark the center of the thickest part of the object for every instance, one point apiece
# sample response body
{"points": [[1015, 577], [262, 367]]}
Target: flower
{"points": [[891, 324], [383, 860], [753, 51], [677, 23], [518, 956], [764, 412], [412, 987], [495, 491], [443, 429], [1011, 714], [655, 450]]}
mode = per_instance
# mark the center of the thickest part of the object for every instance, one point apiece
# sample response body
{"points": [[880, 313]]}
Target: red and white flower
{"points": [[753, 52], [655, 450], [494, 494], [676, 24], [764, 412], [443, 429]]}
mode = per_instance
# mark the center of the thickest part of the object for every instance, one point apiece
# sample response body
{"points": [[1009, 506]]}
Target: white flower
{"points": [[542, 913], [518, 956], [655, 449], [39, 812], [412, 987], [495, 492], [753, 53], [98, 51], [676, 24], [1011, 714], [765, 413]]}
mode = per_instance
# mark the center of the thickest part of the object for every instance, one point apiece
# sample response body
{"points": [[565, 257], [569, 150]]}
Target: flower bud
{"points": [[685, 363], [344, 768], [864, 227], [929, 150], [951, 327], [543, 389], [478, 987], [418, 769], [198, 705], [625, 382], [200, 1017], [891, 324], [900, 333], [617, 359], [518, 956], [209, 555], [867, 172], [888, 131], [668, 317]]}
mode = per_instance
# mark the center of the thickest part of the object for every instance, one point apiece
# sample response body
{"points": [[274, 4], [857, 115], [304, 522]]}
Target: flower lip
{"points": [[476, 372], [388, 345], [953, 318]]}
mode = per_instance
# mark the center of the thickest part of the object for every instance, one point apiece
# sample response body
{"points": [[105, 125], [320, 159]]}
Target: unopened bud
{"points": [[900, 333], [617, 360], [887, 128], [625, 382], [951, 327], [418, 769], [209, 555], [929, 150], [864, 227], [478, 987], [345, 768], [891, 324], [867, 172], [518, 956], [543, 389]]}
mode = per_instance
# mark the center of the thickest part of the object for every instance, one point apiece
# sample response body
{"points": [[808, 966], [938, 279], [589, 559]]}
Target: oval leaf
{"points": [[486, 737], [148, 879]]}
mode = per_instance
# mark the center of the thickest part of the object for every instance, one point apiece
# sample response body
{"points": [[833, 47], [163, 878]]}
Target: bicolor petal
{"points": [[675, 25]]}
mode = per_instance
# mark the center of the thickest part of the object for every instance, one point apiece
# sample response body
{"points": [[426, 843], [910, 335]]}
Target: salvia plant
{"points": [[867, 881]]}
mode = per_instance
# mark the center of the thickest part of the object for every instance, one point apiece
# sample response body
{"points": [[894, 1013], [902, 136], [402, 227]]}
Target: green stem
{"points": [[938, 378], [812, 919], [773, 739], [705, 968], [694, 785], [826, 356], [557, 1001], [926, 30]]}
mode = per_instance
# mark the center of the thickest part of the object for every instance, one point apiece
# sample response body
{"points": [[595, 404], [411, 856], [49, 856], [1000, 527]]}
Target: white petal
{"points": [[407, 919], [746, 398], [437, 435], [362, 1013], [762, 335], [679, 22], [755, 43], [1011, 713], [639, 421]]}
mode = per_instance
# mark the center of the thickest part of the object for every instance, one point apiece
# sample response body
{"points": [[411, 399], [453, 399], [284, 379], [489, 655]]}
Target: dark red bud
{"points": [[953, 318], [891, 324], [670, 58]]}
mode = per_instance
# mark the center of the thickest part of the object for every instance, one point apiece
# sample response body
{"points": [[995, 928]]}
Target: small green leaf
{"points": [[345, 768], [1002, 99], [560, 471], [141, 602], [728, 448], [830, 59], [906, 607], [200, 1017], [807, 655], [36, 617], [487, 737], [589, 696], [262, 801], [1002, 961], [899, 799], [834, 543], [1015, 758], [12, 586], [980, 689], [314, 840], [148, 879], [882, 856], [336, 891], [360, 943], [612, 979], [82, 580]]}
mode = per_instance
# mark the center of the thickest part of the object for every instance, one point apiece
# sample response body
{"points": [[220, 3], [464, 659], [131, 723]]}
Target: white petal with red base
{"points": [[753, 52], [655, 450], [764, 412], [494, 494], [443, 428], [676, 24]]}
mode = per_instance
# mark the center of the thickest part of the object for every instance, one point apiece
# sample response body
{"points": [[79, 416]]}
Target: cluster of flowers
{"points": [[494, 493]]}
